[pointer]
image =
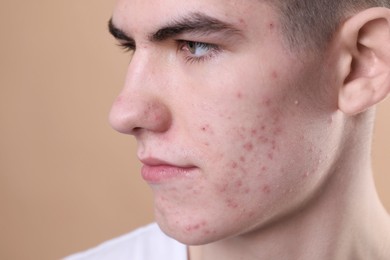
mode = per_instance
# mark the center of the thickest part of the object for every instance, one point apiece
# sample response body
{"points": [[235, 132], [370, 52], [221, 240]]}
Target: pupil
{"points": [[191, 46]]}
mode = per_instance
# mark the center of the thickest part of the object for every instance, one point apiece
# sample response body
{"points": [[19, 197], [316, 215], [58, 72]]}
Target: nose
{"points": [[140, 106]]}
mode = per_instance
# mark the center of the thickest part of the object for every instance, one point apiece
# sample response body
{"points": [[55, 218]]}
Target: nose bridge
{"points": [[139, 107], [140, 70]]}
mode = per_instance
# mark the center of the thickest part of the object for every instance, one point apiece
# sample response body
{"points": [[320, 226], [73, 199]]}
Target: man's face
{"points": [[231, 126]]}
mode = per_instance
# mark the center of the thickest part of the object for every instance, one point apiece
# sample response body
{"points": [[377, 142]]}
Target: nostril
{"points": [[136, 129]]}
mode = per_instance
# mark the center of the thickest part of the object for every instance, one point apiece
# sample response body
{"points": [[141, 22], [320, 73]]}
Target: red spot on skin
{"points": [[263, 139], [238, 183], [247, 190], [254, 132], [274, 75], [205, 128], [234, 165], [223, 188], [271, 26], [231, 204], [270, 156], [264, 168], [274, 145], [248, 147], [277, 131], [239, 95], [267, 102], [263, 128], [266, 189]]}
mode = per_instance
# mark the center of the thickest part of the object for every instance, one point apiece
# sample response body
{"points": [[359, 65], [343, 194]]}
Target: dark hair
{"points": [[312, 23]]}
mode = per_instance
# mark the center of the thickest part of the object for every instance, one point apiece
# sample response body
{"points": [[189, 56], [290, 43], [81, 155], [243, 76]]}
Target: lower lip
{"points": [[157, 174]]}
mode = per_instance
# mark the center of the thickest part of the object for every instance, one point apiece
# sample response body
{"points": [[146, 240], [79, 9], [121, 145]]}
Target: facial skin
{"points": [[250, 125]]}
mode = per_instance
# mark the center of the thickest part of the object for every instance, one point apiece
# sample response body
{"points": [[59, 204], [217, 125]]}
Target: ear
{"points": [[365, 44]]}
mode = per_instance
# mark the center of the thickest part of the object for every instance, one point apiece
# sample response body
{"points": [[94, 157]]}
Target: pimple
{"points": [[267, 102], [264, 168], [192, 227], [223, 187], [242, 159], [206, 128], [274, 146], [231, 203], [266, 189], [274, 75], [248, 147], [234, 165], [270, 156], [239, 95], [238, 183], [271, 26], [254, 132], [263, 139]]}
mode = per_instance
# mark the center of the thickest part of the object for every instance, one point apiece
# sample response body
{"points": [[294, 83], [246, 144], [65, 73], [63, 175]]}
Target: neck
{"points": [[346, 221]]}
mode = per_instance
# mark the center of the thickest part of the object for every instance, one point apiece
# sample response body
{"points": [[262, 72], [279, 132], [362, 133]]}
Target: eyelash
{"points": [[127, 46], [183, 46]]}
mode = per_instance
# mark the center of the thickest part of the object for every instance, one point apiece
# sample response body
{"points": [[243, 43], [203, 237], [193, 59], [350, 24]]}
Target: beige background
{"points": [[67, 181]]}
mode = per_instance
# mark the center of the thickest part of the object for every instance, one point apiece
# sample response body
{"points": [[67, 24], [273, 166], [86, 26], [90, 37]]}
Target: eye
{"points": [[198, 51], [198, 48]]}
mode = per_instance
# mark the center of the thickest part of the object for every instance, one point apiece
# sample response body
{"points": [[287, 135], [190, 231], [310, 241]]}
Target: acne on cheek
{"points": [[206, 128], [266, 189]]}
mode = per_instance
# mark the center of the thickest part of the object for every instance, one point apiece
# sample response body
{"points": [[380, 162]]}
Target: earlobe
{"points": [[365, 41]]}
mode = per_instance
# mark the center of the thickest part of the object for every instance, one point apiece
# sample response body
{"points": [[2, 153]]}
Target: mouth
{"points": [[156, 171]]}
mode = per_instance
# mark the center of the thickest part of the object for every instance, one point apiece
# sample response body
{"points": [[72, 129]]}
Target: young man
{"points": [[254, 122]]}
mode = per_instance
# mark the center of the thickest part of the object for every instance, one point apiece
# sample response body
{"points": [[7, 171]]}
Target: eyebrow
{"points": [[118, 33], [193, 23]]}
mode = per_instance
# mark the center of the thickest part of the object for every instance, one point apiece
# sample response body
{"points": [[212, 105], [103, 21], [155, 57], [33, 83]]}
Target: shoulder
{"points": [[146, 243]]}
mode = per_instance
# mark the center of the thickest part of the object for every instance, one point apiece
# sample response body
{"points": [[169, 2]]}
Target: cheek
{"points": [[241, 158]]}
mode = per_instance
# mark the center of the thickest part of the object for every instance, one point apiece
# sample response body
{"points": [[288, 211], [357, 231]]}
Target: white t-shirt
{"points": [[147, 243]]}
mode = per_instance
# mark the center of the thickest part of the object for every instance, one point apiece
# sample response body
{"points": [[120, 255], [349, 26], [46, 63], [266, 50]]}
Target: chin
{"points": [[190, 233]]}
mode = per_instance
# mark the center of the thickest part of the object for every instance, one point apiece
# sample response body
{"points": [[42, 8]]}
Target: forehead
{"points": [[141, 15]]}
